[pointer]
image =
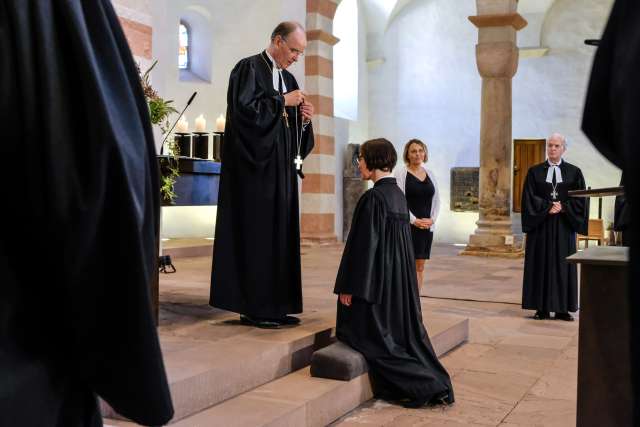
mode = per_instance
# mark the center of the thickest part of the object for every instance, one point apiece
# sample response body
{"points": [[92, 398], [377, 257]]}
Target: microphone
{"points": [[176, 122]]}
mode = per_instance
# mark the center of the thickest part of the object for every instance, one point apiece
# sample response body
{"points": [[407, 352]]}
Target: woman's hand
{"points": [[423, 223], [345, 299]]}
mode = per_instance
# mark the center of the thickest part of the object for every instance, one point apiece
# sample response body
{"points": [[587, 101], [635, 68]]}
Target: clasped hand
{"points": [[556, 208], [345, 299], [423, 223], [299, 98]]}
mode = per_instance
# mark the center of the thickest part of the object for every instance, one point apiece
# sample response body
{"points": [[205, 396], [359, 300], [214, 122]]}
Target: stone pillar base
{"points": [[505, 246]]}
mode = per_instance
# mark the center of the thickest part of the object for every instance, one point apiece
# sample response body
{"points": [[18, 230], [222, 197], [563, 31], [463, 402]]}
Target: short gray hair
{"points": [[285, 28], [559, 136]]}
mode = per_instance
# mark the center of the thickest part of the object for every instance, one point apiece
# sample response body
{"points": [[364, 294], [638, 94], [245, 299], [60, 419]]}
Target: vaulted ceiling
{"points": [[380, 14]]}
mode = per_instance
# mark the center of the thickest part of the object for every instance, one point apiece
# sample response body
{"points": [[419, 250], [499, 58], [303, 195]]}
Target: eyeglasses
{"points": [[296, 52]]}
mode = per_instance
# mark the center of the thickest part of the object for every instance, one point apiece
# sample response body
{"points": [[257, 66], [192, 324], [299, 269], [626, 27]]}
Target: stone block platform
{"points": [[204, 369], [220, 369], [253, 380]]}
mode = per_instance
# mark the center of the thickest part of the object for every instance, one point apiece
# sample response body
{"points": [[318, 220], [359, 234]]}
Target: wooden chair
{"points": [[595, 231]]}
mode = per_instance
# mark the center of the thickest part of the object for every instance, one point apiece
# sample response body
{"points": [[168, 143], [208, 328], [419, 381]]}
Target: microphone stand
{"points": [[164, 261], [177, 120]]}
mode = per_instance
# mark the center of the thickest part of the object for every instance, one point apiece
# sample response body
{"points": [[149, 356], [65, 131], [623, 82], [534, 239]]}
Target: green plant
{"points": [[160, 110]]}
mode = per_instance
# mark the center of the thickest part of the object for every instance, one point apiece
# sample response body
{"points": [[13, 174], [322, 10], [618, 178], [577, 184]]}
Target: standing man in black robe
{"points": [[379, 312], [610, 120], [551, 219], [256, 260], [80, 211]]}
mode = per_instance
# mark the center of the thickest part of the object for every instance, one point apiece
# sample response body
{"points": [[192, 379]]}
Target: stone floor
{"points": [[514, 371]]}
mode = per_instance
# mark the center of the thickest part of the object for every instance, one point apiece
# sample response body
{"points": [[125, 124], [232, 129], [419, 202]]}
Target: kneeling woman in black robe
{"points": [[379, 309]]}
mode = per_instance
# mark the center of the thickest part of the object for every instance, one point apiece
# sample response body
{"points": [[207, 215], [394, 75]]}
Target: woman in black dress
{"points": [[421, 191]]}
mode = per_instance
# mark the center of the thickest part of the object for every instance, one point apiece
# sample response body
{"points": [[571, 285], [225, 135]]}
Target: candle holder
{"points": [[218, 139], [183, 141], [200, 145]]}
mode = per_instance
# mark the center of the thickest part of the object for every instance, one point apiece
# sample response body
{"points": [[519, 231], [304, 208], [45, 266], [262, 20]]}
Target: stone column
{"points": [[318, 203], [497, 61]]}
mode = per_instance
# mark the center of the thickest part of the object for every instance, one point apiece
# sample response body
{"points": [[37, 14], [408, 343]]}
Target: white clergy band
{"points": [[554, 168], [276, 74]]}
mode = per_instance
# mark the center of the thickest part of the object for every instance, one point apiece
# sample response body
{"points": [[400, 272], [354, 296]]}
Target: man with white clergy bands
{"points": [[256, 259], [551, 219]]}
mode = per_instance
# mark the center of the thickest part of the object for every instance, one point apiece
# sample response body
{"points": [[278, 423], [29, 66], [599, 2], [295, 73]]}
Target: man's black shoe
{"points": [[289, 320], [564, 316], [541, 315], [259, 323]]}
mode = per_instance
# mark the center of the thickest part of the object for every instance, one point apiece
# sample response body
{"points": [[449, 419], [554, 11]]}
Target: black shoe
{"points": [[289, 320], [564, 316], [541, 315], [415, 403], [441, 399], [259, 323]]}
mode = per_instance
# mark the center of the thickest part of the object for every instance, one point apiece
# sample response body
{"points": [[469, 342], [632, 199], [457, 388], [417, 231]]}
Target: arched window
{"points": [[345, 61], [184, 57]]}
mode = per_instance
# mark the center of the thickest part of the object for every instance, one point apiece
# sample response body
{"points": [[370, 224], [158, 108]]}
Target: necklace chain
{"points": [[298, 134], [554, 192]]}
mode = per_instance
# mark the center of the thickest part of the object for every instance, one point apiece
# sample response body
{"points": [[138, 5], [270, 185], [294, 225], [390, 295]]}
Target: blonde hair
{"points": [[405, 154]]}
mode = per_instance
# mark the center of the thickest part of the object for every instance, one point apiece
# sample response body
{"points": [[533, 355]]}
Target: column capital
{"points": [[514, 20]]}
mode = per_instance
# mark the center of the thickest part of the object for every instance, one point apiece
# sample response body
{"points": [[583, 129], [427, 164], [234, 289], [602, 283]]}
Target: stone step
{"points": [[298, 399], [186, 248], [204, 372]]}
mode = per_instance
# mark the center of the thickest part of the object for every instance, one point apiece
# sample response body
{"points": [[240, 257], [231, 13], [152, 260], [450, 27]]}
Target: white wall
{"points": [[352, 131], [429, 88], [229, 30], [345, 60]]}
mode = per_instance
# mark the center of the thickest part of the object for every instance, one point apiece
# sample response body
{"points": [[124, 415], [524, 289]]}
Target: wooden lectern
{"points": [[604, 365]]}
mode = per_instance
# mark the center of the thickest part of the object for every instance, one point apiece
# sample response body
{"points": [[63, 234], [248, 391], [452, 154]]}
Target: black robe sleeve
{"points": [[576, 209], [535, 209], [598, 119], [622, 214], [256, 114], [82, 216], [361, 271]]}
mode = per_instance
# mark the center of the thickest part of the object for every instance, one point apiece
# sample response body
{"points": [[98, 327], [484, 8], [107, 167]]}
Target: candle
{"points": [[183, 125], [220, 123], [201, 123]]}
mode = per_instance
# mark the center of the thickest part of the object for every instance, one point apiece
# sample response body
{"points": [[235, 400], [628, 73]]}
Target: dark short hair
{"points": [[285, 28], [405, 154], [379, 154]]}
